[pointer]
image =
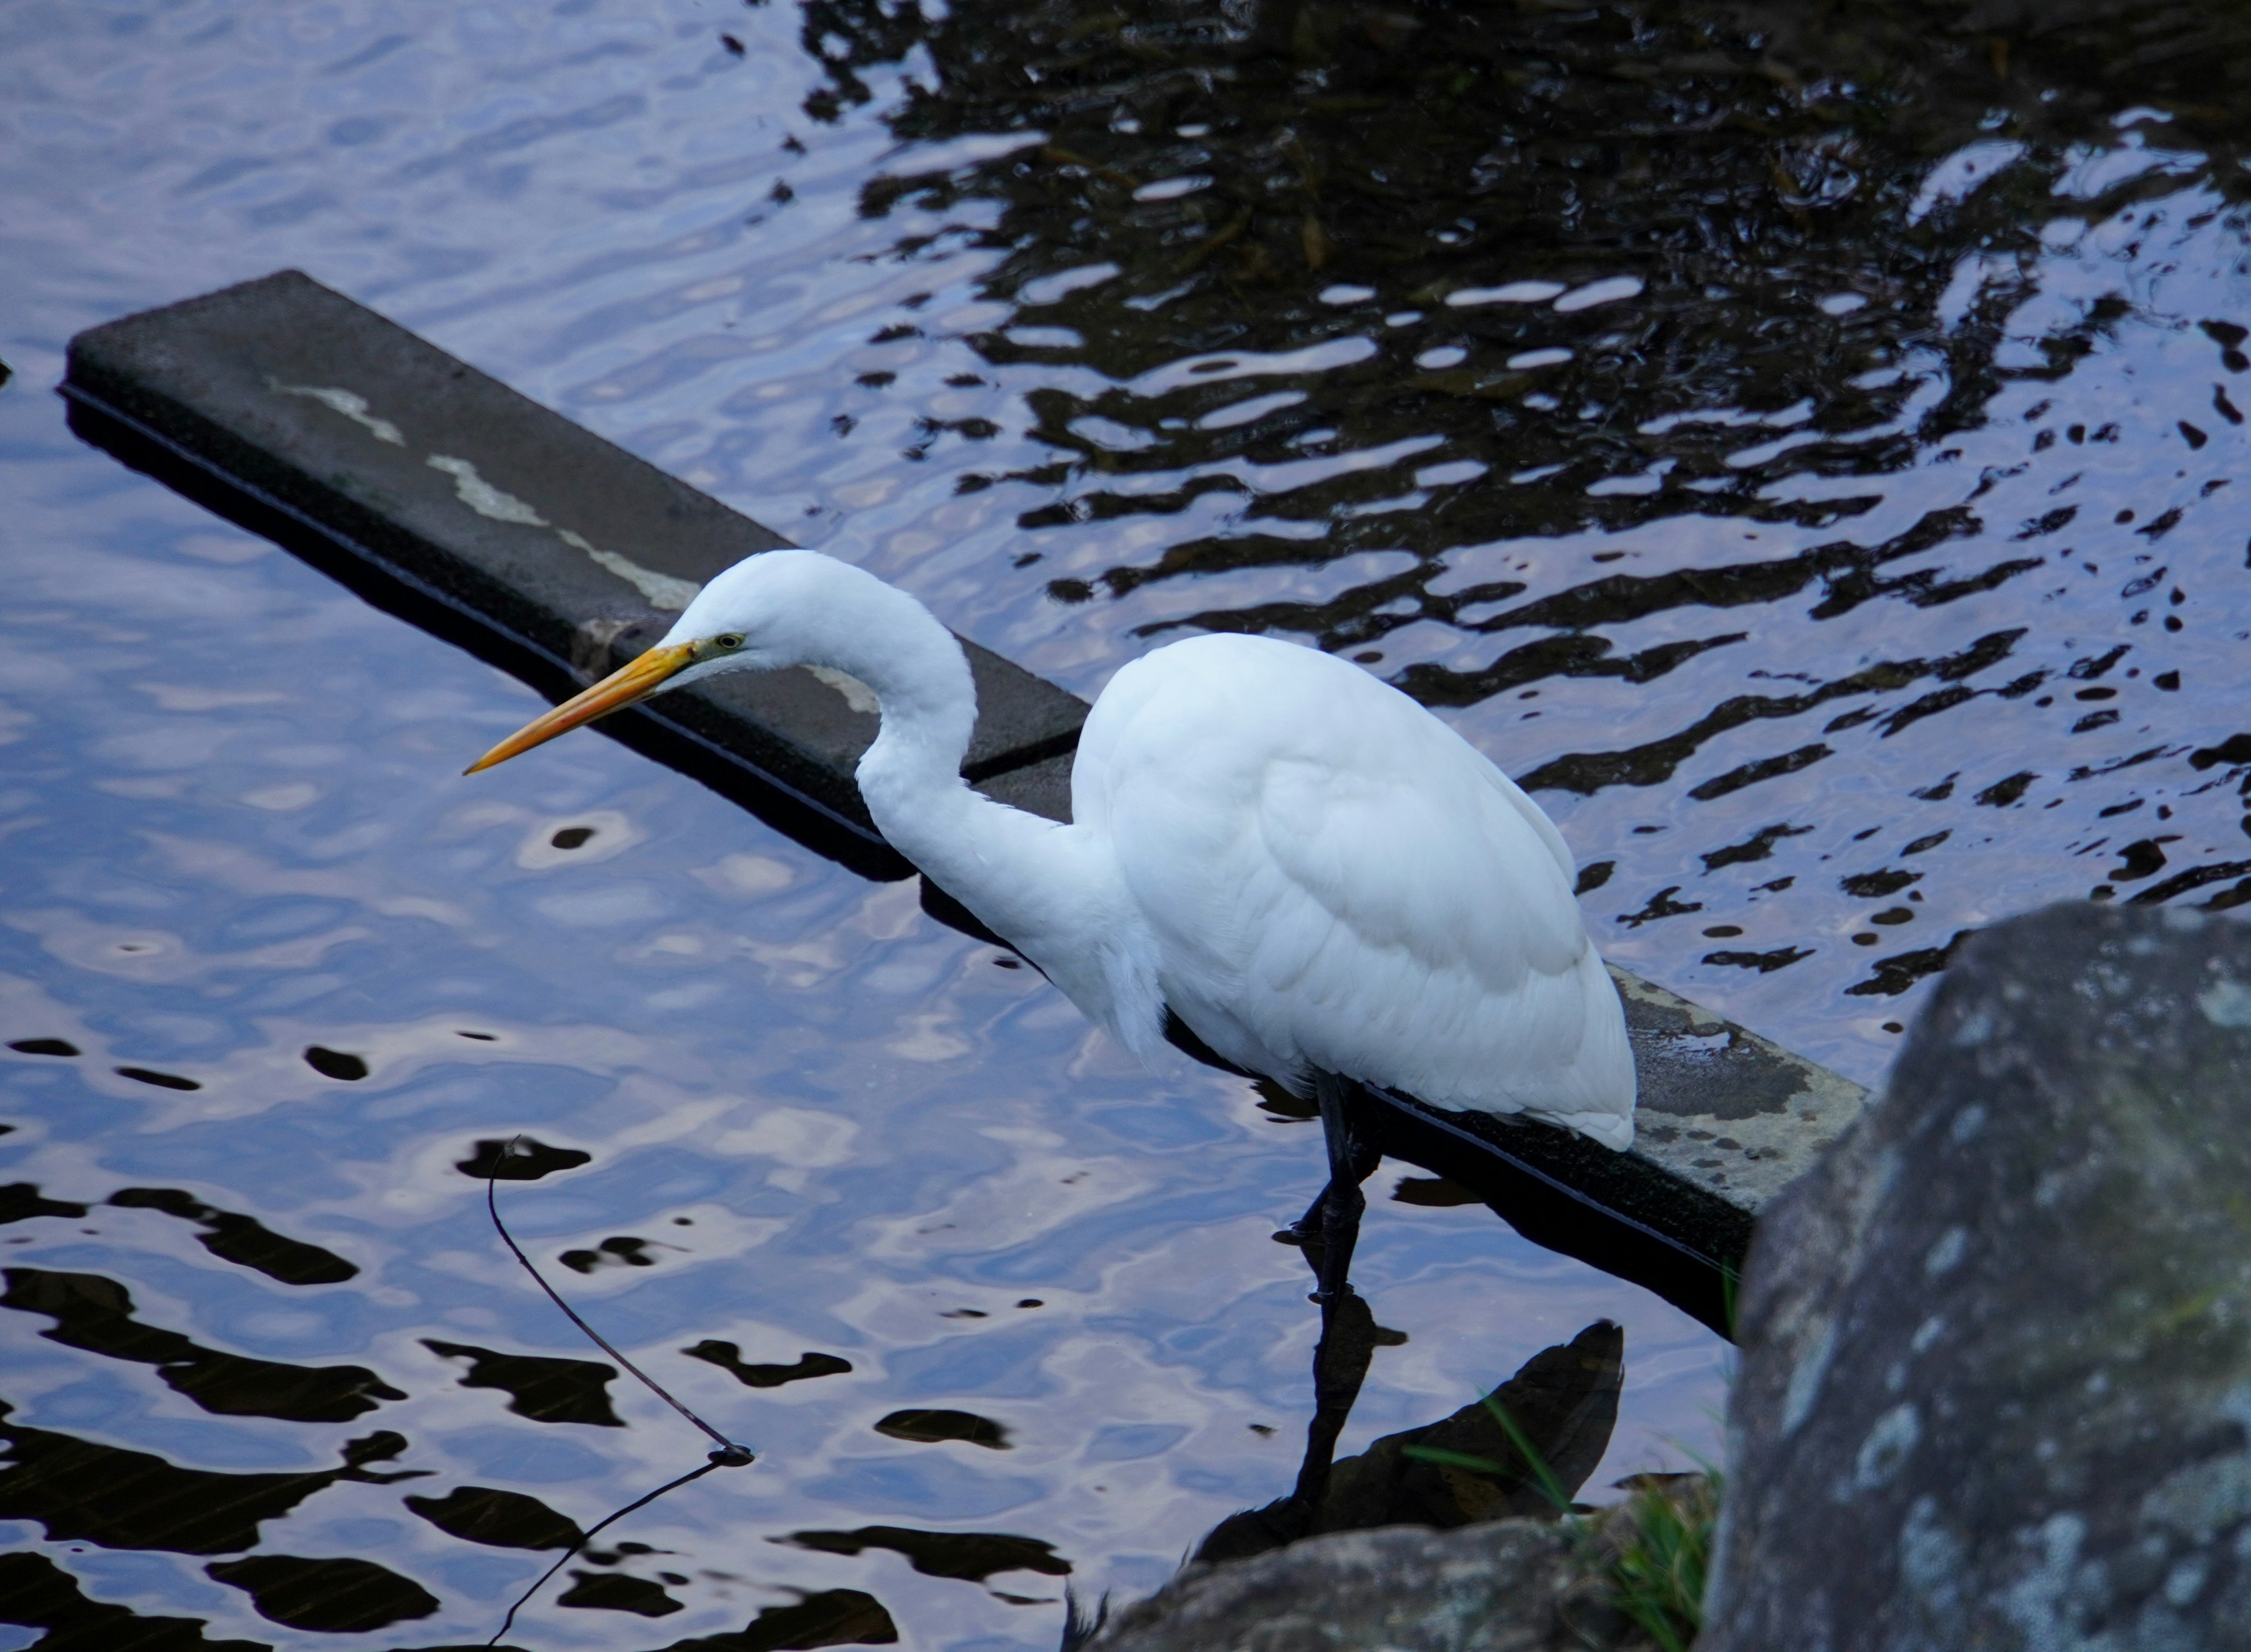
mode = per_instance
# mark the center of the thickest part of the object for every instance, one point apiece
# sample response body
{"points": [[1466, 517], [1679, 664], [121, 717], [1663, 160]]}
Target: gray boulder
{"points": [[1492, 1587], [1996, 1387], [1519, 1584]]}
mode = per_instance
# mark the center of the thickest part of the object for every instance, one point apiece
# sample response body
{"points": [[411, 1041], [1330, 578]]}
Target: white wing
{"points": [[1333, 878]]}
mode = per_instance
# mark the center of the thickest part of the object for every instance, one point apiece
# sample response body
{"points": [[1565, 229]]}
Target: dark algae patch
{"points": [[620, 1250], [162, 1081], [20, 1201], [728, 1356], [496, 1519], [243, 1240], [83, 1492], [96, 1314], [618, 1591], [44, 1047], [337, 1064], [824, 1617], [520, 1160], [933, 1425], [538, 1387], [972, 1556], [329, 1597], [1433, 1190], [39, 1594]]}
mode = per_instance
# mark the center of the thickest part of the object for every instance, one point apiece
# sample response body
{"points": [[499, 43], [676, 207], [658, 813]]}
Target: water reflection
{"points": [[1682, 400], [1806, 453], [96, 1315], [1525, 1449]]}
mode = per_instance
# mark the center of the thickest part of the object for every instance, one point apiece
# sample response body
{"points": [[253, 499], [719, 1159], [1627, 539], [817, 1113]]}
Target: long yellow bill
{"points": [[626, 686]]}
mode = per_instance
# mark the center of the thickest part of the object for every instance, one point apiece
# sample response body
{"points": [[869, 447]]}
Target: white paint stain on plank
{"points": [[663, 591], [482, 496], [857, 695], [350, 403], [665, 594]]}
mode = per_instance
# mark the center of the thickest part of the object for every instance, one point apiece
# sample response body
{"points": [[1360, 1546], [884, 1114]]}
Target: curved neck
{"points": [[922, 683], [999, 861], [1053, 890], [1036, 882]]}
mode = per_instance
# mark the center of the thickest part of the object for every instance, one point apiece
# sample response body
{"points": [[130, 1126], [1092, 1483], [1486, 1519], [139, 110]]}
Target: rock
{"points": [[1484, 1588], [1996, 1387], [1504, 1586]]}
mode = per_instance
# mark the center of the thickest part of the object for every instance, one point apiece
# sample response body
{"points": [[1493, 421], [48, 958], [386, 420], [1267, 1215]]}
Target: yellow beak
{"points": [[626, 686]]}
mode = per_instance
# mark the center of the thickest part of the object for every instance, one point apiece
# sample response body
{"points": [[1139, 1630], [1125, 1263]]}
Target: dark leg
{"points": [[1306, 1232], [1352, 1159]]}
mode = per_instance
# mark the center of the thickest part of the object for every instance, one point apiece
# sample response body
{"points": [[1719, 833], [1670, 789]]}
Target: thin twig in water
{"points": [[736, 1456], [729, 1455], [571, 1552]]}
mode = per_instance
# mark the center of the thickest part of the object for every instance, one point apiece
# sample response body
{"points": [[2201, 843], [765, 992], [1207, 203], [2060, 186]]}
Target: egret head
{"points": [[778, 608]]}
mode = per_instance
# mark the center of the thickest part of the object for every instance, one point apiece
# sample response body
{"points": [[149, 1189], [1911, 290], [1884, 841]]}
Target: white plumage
{"points": [[1320, 879], [1330, 877]]}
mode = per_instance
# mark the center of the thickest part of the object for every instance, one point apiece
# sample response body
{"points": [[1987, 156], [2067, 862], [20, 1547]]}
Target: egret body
{"points": [[1321, 881]]}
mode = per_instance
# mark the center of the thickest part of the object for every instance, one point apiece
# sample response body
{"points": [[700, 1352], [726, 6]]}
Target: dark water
{"points": [[1866, 570]]}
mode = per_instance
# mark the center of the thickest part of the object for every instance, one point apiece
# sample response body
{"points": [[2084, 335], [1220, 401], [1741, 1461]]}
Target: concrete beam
{"points": [[450, 498], [445, 497]]}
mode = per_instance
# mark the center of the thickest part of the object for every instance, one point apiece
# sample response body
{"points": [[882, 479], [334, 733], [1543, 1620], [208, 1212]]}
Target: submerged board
{"points": [[450, 499], [443, 496]]}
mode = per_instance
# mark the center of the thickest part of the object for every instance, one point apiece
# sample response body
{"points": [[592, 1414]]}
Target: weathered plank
{"points": [[449, 499], [452, 498], [1723, 1121]]}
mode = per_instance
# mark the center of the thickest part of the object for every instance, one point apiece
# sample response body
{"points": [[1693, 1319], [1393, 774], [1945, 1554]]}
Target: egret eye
{"points": [[731, 640]]}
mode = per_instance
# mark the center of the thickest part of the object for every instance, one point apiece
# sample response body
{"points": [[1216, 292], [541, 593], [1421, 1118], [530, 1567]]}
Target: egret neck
{"points": [[1044, 885]]}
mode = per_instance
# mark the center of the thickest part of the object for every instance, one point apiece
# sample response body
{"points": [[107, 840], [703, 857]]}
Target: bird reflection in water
{"points": [[1561, 1403]]}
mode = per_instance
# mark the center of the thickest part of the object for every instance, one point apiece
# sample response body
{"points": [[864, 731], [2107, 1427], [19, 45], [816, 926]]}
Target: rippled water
{"points": [[1814, 480]]}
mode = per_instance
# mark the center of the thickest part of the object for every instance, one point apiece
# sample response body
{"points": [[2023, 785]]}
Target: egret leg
{"points": [[1353, 1157], [1306, 1232]]}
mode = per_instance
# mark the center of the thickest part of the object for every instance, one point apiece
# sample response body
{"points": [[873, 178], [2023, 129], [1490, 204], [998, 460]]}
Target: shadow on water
{"points": [[1561, 1408], [1799, 441]]}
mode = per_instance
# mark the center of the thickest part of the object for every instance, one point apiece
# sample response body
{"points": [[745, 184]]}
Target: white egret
{"points": [[1320, 880]]}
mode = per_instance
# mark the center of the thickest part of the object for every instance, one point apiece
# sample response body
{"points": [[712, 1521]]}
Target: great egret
{"points": [[1323, 882]]}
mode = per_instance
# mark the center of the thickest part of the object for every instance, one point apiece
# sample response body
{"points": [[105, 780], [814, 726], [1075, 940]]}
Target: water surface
{"points": [[1814, 479]]}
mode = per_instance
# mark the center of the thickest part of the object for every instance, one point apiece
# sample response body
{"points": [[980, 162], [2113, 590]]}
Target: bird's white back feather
{"points": [[1333, 878]]}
